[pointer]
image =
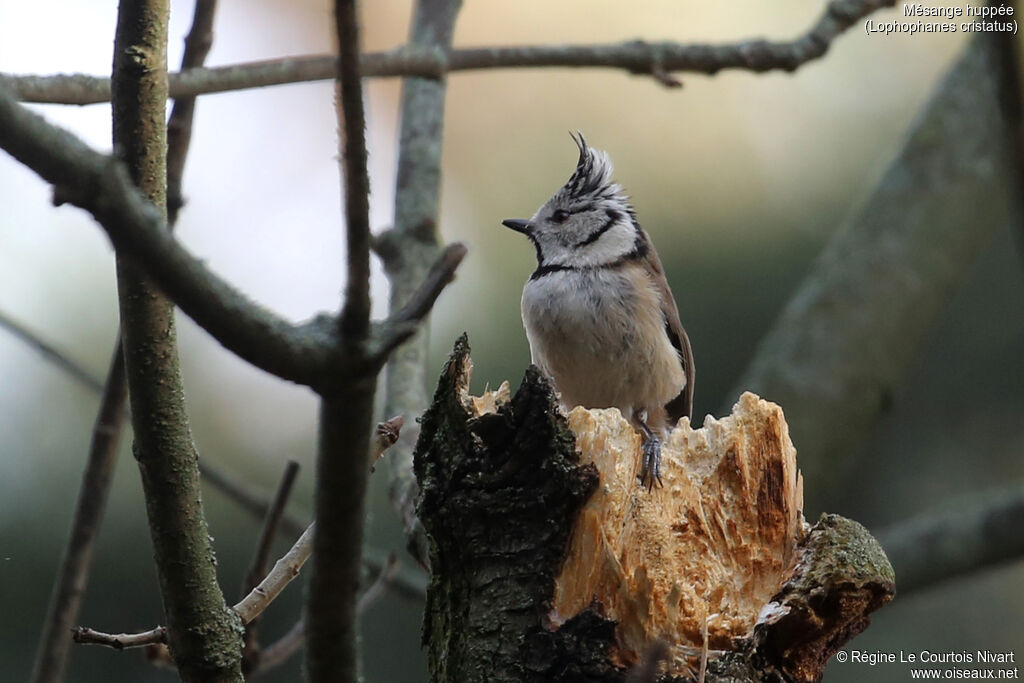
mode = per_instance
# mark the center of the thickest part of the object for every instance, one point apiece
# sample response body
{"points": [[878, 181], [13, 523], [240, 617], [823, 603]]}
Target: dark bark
{"points": [[500, 494]]}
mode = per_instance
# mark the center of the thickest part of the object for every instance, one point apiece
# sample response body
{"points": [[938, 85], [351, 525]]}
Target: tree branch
{"points": [[414, 236], [259, 597], [100, 185], [974, 534], [657, 60], [203, 633], [355, 315], [854, 325], [179, 126], [50, 352], [346, 407], [284, 570], [69, 587], [268, 532], [403, 324], [282, 649], [406, 583], [291, 642], [119, 641]]}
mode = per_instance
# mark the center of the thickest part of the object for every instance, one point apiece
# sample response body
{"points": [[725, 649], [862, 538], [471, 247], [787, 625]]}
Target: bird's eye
{"points": [[560, 216]]}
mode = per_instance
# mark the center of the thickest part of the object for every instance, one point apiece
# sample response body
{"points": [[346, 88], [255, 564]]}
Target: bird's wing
{"points": [[683, 403]]}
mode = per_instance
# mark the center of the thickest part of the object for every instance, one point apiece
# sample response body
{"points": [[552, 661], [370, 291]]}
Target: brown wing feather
{"points": [[683, 403]]}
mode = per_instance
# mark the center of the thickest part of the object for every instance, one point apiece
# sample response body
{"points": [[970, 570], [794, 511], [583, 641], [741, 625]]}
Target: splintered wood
{"points": [[712, 546]]}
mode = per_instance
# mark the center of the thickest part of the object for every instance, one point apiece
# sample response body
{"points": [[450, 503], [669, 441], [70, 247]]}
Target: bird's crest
{"points": [[592, 178]]}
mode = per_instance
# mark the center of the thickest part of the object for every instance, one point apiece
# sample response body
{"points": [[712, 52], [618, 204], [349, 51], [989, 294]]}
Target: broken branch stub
{"points": [[551, 563]]}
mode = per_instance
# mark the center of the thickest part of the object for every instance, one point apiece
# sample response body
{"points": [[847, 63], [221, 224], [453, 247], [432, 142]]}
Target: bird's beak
{"points": [[517, 224]]}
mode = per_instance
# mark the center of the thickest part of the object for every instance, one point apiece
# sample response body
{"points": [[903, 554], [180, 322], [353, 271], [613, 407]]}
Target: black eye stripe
{"points": [[596, 235]]}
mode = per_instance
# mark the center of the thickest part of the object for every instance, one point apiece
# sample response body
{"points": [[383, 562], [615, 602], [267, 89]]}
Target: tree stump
{"points": [[551, 563]]}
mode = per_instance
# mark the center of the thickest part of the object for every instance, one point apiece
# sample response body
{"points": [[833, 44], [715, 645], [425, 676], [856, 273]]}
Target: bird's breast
{"points": [[600, 335]]}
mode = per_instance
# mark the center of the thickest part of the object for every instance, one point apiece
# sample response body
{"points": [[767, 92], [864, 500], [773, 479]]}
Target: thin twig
{"points": [[269, 530], [283, 572], [403, 324], [703, 650], [408, 583], [248, 499], [50, 352], [291, 642], [960, 538], [119, 641], [281, 650], [379, 585], [179, 125], [441, 273], [657, 60], [287, 568], [69, 586]]}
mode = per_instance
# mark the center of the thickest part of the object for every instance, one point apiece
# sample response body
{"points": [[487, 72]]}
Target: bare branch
{"points": [[119, 641], [179, 125], [269, 530], [248, 499], [203, 634], [414, 236], [287, 568], [290, 643], [346, 409], [657, 60], [379, 585], [284, 570], [441, 273], [355, 315], [961, 538], [280, 651], [408, 583], [100, 184], [403, 324], [50, 352], [69, 586]]}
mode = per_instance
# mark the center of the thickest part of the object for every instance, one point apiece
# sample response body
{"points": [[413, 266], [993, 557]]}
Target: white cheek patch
{"points": [[609, 247]]}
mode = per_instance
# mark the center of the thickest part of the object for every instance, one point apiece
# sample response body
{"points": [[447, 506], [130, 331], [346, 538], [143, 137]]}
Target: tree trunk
{"points": [[551, 563]]}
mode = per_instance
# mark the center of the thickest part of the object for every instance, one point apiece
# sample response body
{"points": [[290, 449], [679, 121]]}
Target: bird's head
{"points": [[588, 222]]}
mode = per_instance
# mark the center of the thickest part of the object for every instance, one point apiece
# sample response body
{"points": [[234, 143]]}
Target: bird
{"points": [[598, 312]]}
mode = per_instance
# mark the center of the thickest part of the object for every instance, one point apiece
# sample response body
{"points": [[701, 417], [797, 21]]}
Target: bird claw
{"points": [[650, 472]]}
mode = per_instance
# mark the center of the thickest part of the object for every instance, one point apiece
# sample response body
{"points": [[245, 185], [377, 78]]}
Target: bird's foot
{"points": [[650, 472]]}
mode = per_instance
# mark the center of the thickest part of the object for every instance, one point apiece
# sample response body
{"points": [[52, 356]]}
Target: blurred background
{"points": [[740, 179]]}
